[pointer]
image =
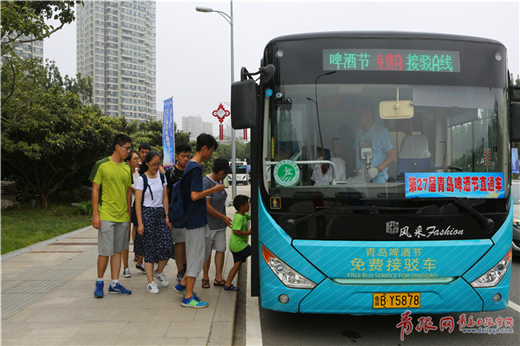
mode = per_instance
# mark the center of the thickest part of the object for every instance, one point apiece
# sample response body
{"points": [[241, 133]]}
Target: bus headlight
{"points": [[493, 276], [288, 276]]}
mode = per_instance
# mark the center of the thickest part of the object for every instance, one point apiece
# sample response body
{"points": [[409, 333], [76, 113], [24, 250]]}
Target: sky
{"points": [[193, 48]]}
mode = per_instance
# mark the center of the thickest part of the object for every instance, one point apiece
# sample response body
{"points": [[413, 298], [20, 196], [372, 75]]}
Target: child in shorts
{"points": [[238, 241]]}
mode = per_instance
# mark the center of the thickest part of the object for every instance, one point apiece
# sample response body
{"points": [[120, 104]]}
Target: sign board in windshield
{"points": [[462, 185], [401, 60]]}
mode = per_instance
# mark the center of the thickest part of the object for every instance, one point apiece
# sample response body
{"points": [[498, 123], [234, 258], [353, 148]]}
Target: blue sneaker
{"points": [[118, 289], [182, 289], [179, 288], [193, 302], [98, 293]]}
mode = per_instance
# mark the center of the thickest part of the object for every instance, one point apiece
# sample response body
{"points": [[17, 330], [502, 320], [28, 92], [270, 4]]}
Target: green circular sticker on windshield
{"points": [[286, 173]]}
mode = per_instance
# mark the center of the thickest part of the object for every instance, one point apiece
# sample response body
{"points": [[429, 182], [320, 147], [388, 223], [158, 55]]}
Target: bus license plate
{"points": [[396, 300]]}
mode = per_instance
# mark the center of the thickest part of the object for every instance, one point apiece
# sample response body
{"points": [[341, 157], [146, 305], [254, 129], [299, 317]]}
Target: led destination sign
{"points": [[404, 60]]}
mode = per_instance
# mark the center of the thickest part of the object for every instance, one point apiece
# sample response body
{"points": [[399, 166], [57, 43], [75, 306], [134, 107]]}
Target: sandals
{"points": [[205, 284], [219, 283], [231, 288]]}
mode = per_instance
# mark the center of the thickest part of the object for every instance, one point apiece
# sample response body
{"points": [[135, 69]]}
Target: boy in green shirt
{"points": [[111, 198], [238, 241]]}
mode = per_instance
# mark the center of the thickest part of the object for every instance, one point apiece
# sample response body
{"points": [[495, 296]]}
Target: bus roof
{"points": [[383, 35]]}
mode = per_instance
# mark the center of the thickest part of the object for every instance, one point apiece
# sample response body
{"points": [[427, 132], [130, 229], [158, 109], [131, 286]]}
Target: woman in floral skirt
{"points": [[151, 205]]}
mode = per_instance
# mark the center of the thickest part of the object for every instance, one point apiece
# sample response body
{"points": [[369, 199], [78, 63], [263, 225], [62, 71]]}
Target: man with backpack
{"points": [[173, 175], [198, 246]]}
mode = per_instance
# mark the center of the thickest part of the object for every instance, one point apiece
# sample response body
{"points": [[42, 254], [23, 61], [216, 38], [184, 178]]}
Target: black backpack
{"points": [[133, 217], [177, 209]]}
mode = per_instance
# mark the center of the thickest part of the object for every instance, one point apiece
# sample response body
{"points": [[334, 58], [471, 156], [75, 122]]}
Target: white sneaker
{"points": [[126, 273], [162, 278], [152, 287]]}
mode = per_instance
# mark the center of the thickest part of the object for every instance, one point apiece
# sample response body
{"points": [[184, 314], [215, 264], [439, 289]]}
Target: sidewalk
{"points": [[48, 299]]}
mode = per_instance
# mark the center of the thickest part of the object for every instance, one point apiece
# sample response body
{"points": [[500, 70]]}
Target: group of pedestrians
{"points": [[120, 193]]}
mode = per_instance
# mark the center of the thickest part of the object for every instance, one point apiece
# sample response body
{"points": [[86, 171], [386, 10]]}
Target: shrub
{"points": [[84, 207]]}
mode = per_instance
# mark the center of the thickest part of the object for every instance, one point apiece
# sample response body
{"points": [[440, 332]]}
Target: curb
{"points": [[223, 323], [32, 247]]}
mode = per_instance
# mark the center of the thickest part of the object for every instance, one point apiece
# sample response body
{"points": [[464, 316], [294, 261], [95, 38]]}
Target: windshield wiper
{"points": [[290, 223], [487, 223]]}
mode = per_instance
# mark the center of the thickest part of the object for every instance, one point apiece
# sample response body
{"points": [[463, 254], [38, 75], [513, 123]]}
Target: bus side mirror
{"points": [[243, 104], [515, 122]]}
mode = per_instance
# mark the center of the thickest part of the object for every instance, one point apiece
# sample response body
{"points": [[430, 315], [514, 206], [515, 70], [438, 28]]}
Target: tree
{"points": [[25, 21], [48, 135], [148, 132]]}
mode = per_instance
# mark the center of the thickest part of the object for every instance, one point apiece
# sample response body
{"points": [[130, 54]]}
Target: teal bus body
{"points": [[326, 262], [434, 236]]}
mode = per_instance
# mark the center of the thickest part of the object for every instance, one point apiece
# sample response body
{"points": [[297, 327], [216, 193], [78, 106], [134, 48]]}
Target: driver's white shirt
{"points": [[325, 179]]}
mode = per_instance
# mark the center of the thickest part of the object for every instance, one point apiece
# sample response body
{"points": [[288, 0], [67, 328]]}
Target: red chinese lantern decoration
{"points": [[221, 113]]}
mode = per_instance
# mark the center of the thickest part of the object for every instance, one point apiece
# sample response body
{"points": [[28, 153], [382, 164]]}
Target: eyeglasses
{"points": [[156, 165], [127, 148]]}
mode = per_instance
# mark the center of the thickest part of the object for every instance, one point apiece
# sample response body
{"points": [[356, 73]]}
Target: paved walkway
{"points": [[48, 299]]}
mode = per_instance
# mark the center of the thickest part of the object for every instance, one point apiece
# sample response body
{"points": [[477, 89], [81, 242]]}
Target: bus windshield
{"points": [[335, 135]]}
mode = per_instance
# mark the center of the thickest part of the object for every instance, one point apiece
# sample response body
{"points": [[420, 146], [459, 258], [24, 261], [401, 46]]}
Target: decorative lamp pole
{"points": [[229, 19]]}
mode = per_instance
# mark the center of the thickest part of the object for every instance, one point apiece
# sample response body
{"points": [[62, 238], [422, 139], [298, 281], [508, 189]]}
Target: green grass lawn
{"points": [[25, 226]]}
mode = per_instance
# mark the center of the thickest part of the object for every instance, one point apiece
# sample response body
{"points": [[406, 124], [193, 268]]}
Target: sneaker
{"points": [[141, 268], [179, 288], [182, 289], [162, 278], [126, 273], [152, 287], [193, 302], [118, 289], [180, 275], [98, 293]]}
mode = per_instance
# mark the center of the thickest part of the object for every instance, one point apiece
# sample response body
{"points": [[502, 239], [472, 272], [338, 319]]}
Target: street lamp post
{"points": [[229, 19]]}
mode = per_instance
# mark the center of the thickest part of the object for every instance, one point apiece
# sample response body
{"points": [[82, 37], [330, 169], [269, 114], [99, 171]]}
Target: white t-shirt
{"points": [[321, 178], [135, 177], [157, 190]]}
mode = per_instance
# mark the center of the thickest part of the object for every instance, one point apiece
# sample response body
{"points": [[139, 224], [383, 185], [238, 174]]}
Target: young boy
{"points": [[198, 246], [238, 240], [173, 174], [111, 197]]}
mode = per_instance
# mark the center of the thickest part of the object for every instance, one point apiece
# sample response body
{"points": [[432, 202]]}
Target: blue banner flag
{"points": [[514, 160], [168, 133], [463, 185]]}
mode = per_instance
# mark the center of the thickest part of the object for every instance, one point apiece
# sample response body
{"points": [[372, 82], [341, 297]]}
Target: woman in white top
{"points": [[151, 206], [133, 161]]}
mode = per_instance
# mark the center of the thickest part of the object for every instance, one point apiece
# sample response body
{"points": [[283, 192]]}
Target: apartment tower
{"points": [[116, 48]]}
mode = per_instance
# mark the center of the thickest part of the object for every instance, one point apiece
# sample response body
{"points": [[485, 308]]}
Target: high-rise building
{"points": [[116, 48], [207, 127], [159, 116], [28, 50], [195, 126]]}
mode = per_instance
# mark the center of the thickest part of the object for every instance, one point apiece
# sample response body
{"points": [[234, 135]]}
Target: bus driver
{"points": [[383, 151]]}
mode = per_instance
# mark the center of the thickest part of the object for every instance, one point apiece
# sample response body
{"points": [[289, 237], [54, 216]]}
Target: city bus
{"points": [[242, 173], [431, 232]]}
